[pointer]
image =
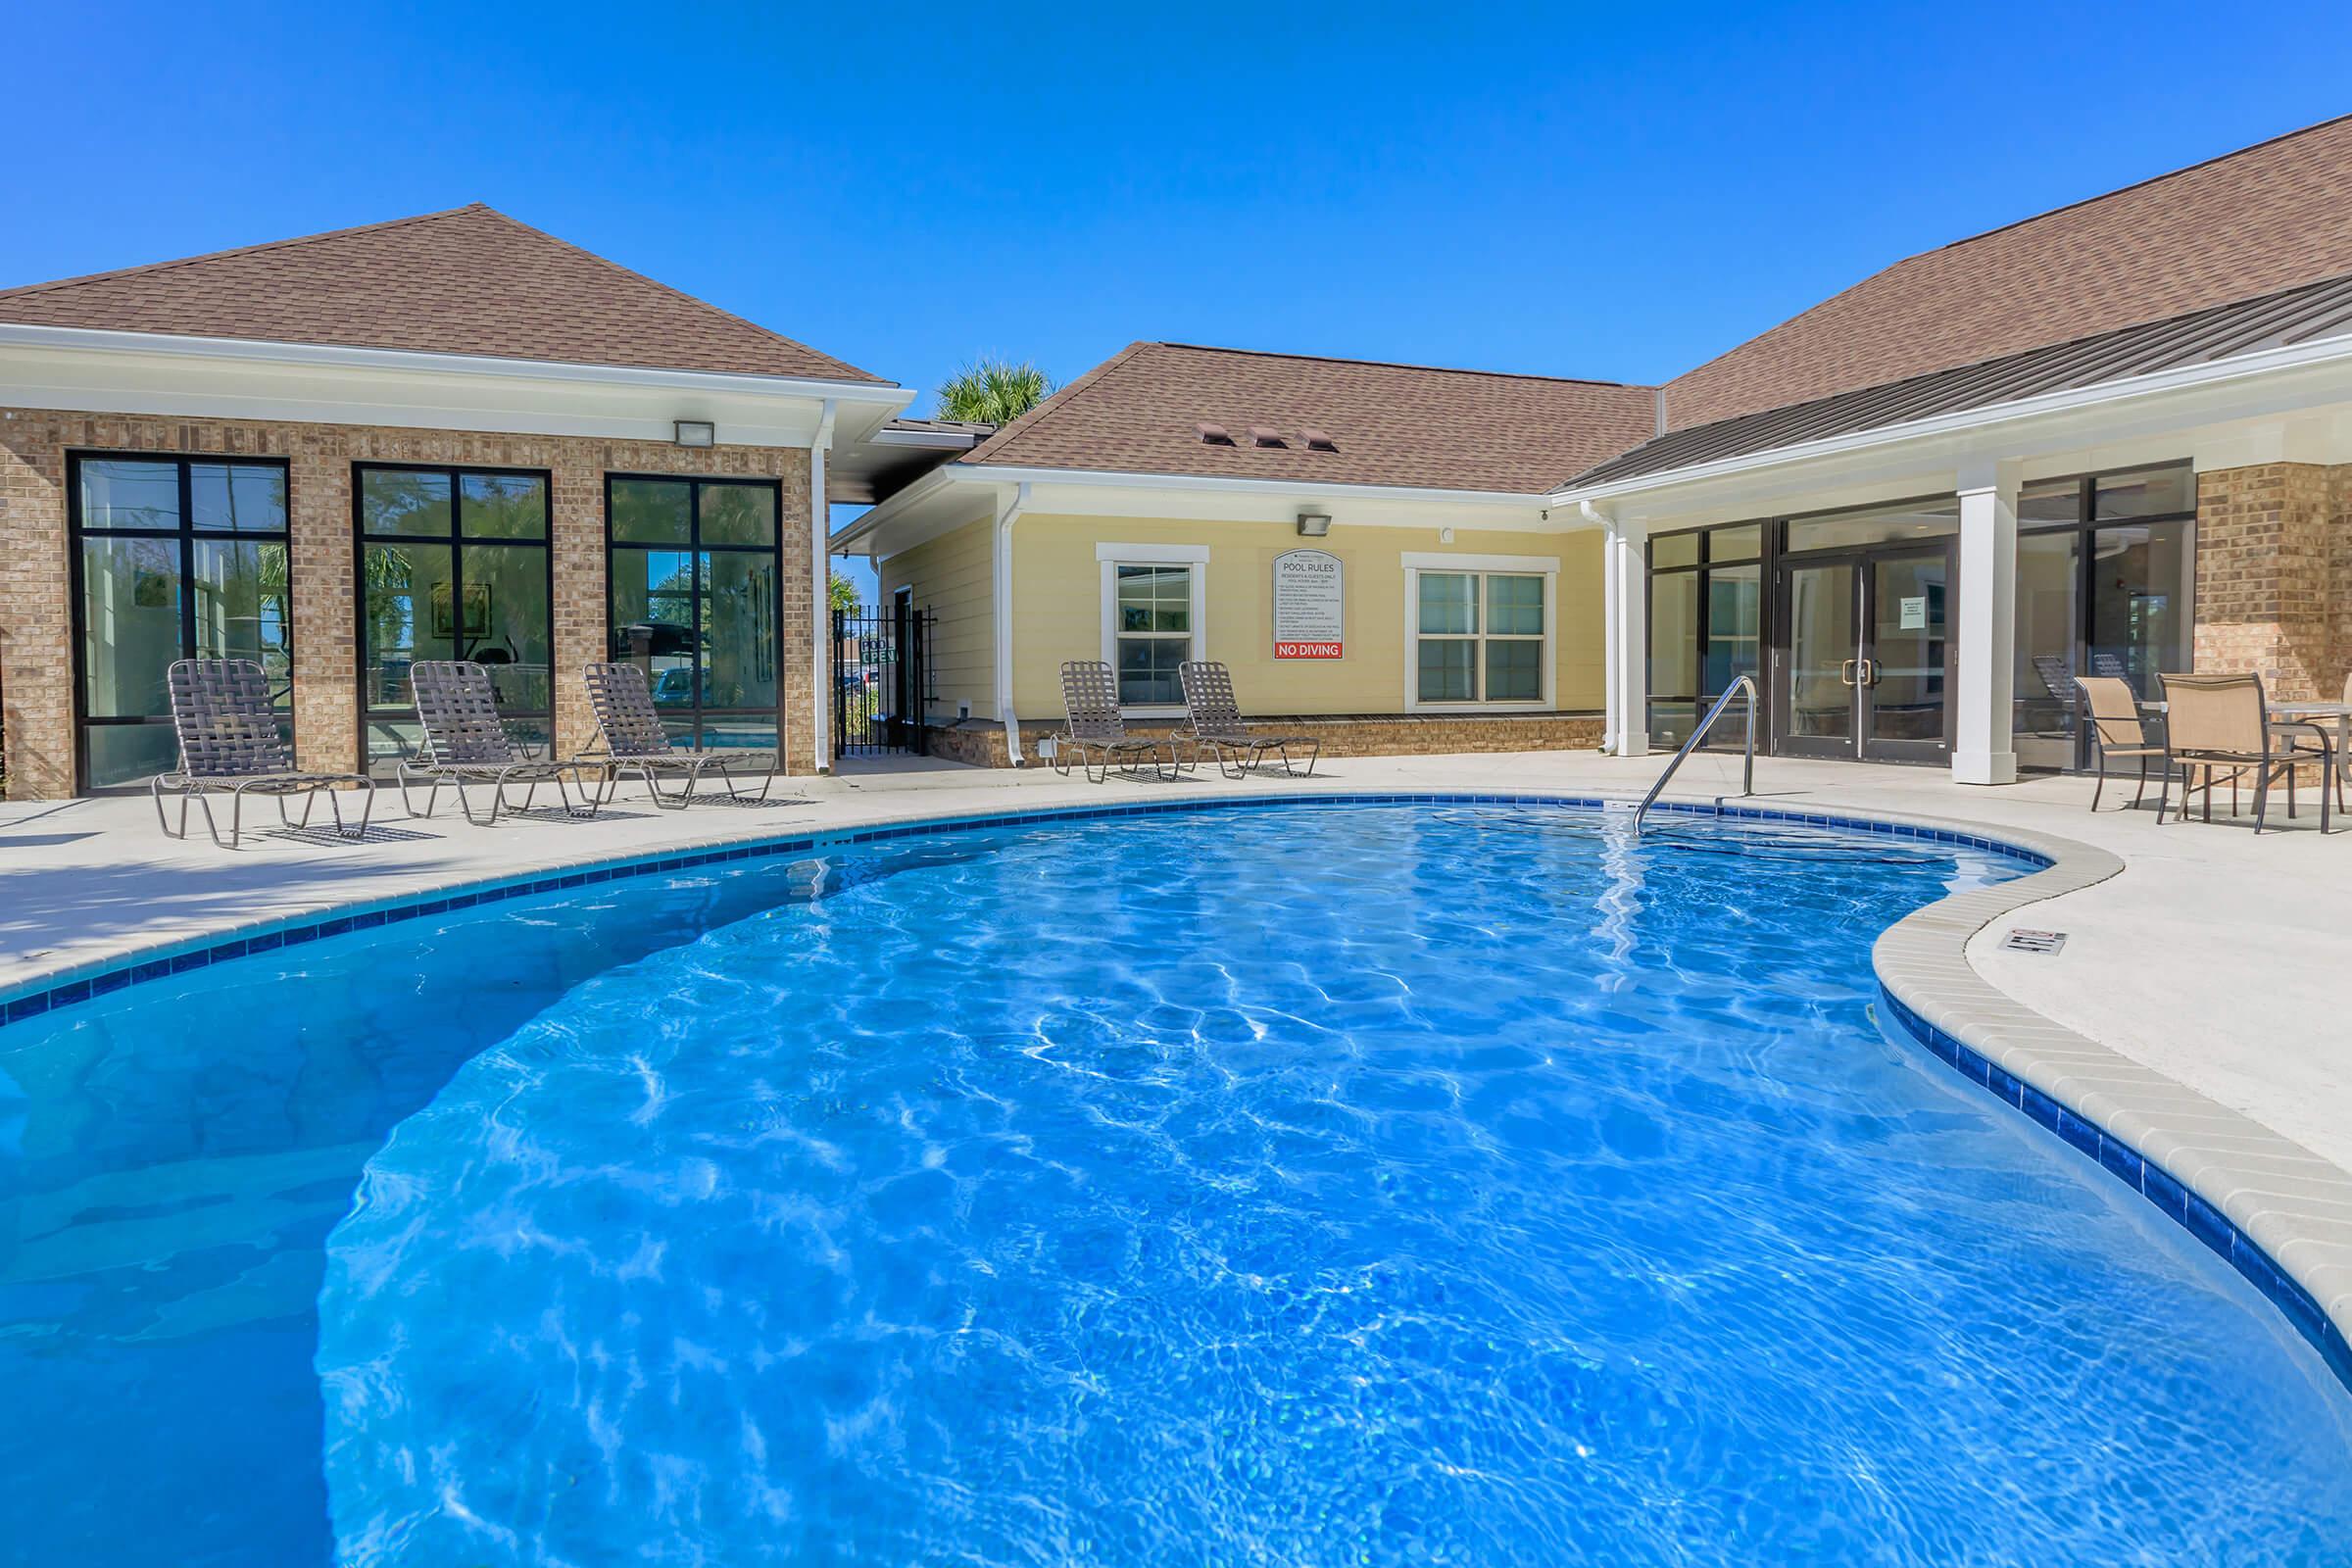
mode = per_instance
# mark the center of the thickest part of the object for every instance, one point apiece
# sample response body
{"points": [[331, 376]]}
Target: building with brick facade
{"points": [[445, 437], [2111, 439]]}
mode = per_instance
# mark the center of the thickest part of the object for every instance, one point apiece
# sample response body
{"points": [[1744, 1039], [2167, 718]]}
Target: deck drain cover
{"points": [[2033, 941]]}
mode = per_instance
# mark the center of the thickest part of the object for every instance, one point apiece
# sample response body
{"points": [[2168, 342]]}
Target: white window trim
{"points": [[1111, 557], [1416, 562]]}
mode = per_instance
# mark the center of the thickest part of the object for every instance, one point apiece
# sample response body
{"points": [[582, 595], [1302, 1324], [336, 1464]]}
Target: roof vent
{"points": [[1317, 441], [1265, 435], [1215, 434]]}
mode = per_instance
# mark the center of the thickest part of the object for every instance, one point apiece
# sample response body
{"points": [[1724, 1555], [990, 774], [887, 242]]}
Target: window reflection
{"points": [[453, 564], [178, 557]]}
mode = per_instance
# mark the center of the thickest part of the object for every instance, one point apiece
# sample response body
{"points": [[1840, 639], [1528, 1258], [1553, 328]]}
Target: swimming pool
{"points": [[1459, 1183]]}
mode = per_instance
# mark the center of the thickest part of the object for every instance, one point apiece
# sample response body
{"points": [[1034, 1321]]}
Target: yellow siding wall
{"points": [[1057, 608], [951, 577]]}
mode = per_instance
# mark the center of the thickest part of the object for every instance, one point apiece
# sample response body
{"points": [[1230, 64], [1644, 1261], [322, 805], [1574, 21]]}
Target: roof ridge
{"points": [[2137, 184], [1054, 404], [1398, 364], [673, 292], [19, 290]]}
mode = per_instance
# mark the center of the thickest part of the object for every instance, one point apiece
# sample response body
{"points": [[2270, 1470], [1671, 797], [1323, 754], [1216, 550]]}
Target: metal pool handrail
{"points": [[1747, 775]]}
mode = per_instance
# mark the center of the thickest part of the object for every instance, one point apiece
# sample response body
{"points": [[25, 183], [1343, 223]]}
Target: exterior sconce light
{"points": [[1313, 525], [695, 433]]}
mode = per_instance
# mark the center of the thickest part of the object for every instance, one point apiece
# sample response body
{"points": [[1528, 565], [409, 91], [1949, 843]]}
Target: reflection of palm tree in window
{"points": [[390, 608]]}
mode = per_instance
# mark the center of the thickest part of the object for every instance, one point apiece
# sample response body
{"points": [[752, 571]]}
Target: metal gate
{"points": [[878, 676]]}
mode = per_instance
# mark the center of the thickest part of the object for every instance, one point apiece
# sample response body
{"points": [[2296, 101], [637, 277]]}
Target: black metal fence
{"points": [[878, 676]]}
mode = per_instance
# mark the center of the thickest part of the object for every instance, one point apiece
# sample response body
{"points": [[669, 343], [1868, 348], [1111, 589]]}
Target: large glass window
{"points": [[1706, 622], [453, 564], [695, 604], [1479, 636], [175, 557], [2104, 568]]}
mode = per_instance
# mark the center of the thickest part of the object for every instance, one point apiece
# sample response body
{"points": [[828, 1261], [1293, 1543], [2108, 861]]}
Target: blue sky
{"points": [[1608, 191]]}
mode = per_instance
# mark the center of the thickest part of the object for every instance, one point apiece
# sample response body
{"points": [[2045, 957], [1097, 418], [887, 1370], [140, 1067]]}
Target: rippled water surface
{"points": [[1344, 1185]]}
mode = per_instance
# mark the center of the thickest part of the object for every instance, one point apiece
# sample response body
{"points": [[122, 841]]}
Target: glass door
{"points": [[1821, 695], [1868, 669], [1903, 674]]}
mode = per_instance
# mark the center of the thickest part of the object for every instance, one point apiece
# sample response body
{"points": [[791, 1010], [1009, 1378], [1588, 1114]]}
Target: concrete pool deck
{"points": [[2215, 962]]}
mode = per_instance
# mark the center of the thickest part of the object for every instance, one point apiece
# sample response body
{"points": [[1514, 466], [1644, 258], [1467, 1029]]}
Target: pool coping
{"points": [[2277, 1212]]}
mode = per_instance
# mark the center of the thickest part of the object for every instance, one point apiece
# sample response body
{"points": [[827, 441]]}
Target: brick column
{"points": [[2263, 567], [36, 656], [577, 538], [800, 627], [323, 569]]}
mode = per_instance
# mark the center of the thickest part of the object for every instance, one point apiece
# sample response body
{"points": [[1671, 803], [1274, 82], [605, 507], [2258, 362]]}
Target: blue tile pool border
{"points": [[82, 982], [2173, 1198]]}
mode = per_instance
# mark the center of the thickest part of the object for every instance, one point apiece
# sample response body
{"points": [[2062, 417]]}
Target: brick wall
{"points": [[981, 742], [36, 616], [2273, 588]]}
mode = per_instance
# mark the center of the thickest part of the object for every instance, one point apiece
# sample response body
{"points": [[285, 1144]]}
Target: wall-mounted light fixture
{"points": [[1313, 525], [695, 433]]}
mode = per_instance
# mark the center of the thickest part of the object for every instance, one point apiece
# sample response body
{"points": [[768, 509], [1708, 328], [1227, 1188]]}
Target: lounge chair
{"points": [[229, 744], [1096, 733], [2216, 725], [2116, 731], [634, 742], [1218, 726], [465, 742]]}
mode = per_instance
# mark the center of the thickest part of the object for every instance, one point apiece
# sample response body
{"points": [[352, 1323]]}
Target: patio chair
{"points": [[1095, 732], [465, 742], [229, 744], [634, 742], [2116, 731], [2216, 725], [1217, 725]]}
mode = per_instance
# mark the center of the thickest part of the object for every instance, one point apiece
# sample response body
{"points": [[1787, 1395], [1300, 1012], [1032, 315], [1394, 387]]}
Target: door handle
{"points": [[1845, 671], [1870, 672]]}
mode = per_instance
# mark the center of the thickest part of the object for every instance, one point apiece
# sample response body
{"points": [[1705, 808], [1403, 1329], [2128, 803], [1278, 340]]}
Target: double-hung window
{"points": [[1481, 630], [1152, 599]]}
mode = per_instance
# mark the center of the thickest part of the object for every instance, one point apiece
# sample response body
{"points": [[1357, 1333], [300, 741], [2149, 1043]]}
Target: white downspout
{"points": [[1612, 622], [820, 530], [1001, 560]]}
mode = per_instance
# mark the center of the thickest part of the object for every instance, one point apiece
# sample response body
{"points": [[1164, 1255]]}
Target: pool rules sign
{"points": [[1310, 607]]}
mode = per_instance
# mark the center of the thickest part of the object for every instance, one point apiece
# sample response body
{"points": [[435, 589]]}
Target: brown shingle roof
{"points": [[2265, 217], [472, 281], [1141, 411], [2309, 313]]}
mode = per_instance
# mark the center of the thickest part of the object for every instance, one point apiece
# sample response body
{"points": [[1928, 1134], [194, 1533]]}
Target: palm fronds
{"points": [[992, 391]]}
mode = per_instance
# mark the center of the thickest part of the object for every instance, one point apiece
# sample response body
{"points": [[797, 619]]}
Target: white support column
{"points": [[820, 613], [1625, 593], [1984, 749]]}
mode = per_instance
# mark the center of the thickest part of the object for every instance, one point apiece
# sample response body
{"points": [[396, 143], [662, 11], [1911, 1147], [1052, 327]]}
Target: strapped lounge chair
{"points": [[2218, 725], [636, 743], [228, 743], [1097, 734], [465, 741], [1218, 727], [2115, 730]]}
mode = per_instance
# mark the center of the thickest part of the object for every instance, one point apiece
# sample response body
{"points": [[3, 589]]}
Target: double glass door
{"points": [[1867, 673]]}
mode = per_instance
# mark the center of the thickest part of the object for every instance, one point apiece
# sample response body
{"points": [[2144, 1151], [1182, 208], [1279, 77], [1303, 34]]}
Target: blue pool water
{"points": [[1332, 1185]]}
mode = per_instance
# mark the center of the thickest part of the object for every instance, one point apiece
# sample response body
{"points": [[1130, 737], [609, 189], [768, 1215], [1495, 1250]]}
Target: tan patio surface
{"points": [[2217, 958]]}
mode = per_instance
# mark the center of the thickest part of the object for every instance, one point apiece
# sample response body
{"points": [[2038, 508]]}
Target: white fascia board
{"points": [[141, 372], [2183, 381], [938, 501]]}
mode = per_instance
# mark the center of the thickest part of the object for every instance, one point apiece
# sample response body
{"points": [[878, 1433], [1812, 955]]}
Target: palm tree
{"points": [[992, 391]]}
